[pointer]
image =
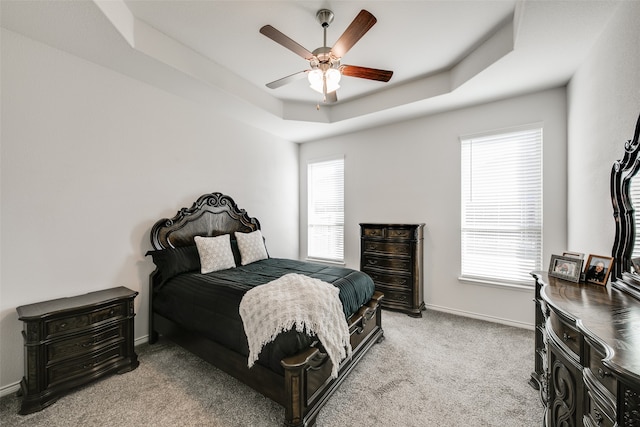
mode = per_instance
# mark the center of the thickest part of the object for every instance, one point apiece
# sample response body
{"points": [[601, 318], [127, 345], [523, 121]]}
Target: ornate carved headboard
{"points": [[211, 215]]}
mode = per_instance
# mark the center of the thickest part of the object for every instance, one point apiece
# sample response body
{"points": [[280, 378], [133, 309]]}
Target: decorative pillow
{"points": [[251, 246], [173, 261], [215, 253]]}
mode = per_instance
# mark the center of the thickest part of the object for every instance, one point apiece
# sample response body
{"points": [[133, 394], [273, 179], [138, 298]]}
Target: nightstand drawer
{"points": [[73, 323], [64, 349], [395, 281], [397, 264], [68, 324], [388, 248], [81, 367]]}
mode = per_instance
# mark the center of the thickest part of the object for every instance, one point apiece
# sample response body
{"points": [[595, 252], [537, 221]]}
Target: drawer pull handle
{"points": [[372, 261], [602, 374], [566, 337], [63, 325], [598, 417], [111, 312]]}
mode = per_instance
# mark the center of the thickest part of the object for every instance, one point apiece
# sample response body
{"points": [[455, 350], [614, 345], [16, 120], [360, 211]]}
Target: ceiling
{"points": [[445, 54]]}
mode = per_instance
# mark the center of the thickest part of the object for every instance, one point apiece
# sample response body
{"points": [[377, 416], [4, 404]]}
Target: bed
{"points": [[200, 311]]}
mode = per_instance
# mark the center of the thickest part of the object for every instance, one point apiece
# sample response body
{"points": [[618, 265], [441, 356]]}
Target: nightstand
{"points": [[69, 342]]}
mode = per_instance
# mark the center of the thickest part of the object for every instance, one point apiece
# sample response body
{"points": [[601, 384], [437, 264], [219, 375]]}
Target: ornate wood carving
{"points": [[631, 412], [211, 215], [564, 402], [621, 173]]}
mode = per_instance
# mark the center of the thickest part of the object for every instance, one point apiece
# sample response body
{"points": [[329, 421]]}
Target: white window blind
{"points": [[502, 206], [634, 195], [325, 236]]}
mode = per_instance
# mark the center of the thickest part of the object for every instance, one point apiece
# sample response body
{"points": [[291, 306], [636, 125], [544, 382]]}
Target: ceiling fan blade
{"points": [[360, 25], [366, 73], [286, 80], [331, 97], [285, 41]]}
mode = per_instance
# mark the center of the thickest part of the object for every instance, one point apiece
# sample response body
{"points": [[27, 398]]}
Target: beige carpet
{"points": [[441, 370]]}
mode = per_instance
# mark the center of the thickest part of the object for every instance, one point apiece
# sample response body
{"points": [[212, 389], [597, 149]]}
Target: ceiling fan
{"points": [[325, 68]]}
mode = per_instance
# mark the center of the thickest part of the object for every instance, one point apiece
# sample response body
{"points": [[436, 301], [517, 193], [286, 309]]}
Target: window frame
{"points": [[316, 256], [521, 280]]}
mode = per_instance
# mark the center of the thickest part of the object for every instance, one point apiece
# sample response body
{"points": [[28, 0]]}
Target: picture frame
{"points": [[597, 269], [565, 267], [574, 254]]}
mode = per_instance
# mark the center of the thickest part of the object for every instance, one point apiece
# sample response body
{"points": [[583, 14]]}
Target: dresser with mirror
{"points": [[587, 336]]}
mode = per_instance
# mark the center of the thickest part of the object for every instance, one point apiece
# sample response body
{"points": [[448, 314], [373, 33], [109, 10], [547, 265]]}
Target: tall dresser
{"points": [[587, 347], [392, 255]]}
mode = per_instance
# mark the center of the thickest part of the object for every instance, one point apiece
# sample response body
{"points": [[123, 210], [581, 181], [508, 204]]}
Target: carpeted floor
{"points": [[441, 370]]}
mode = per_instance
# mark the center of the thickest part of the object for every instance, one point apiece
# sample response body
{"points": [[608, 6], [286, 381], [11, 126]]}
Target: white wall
{"points": [[604, 103], [91, 159], [410, 172]]}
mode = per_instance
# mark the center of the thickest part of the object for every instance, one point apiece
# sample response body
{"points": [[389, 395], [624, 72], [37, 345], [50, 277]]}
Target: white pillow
{"points": [[215, 253], [251, 246]]}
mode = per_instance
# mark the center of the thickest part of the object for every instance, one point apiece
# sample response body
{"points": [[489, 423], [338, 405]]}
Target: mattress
{"points": [[208, 303]]}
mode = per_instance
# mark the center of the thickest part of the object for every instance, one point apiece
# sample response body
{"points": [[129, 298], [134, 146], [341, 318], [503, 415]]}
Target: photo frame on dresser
{"points": [[597, 269], [565, 267], [574, 254]]}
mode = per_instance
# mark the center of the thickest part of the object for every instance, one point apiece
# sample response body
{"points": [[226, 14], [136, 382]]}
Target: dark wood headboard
{"points": [[211, 215]]}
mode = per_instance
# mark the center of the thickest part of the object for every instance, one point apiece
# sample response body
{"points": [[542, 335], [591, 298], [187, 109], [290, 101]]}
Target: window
{"points": [[325, 193], [502, 206], [634, 196]]}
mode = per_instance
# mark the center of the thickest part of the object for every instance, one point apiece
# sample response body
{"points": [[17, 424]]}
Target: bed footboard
{"points": [[308, 382]]}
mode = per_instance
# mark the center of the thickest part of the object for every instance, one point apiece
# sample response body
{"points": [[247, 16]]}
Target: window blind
{"points": [[634, 195], [325, 234], [501, 223]]}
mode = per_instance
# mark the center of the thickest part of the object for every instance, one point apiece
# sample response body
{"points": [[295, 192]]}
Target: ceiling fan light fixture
{"points": [[315, 80], [318, 79]]}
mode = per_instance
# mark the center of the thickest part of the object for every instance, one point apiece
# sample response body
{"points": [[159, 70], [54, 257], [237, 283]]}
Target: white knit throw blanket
{"points": [[299, 301]]}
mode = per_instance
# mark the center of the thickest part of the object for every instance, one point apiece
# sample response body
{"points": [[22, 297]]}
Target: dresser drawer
{"points": [[601, 373], [390, 232], [388, 248], [568, 335], [63, 349], [596, 414], [82, 366], [395, 281], [395, 298], [373, 232], [73, 323], [397, 264]]}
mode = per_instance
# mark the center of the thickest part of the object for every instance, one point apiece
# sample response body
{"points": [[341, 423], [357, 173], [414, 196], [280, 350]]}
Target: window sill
{"points": [[326, 261], [495, 284]]}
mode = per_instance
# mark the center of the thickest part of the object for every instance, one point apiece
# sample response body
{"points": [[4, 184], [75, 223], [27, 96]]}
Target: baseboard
{"points": [[478, 316], [141, 340], [9, 389], [13, 388]]}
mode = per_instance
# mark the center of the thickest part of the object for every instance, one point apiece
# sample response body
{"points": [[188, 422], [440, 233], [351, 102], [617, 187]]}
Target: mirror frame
{"points": [[623, 212]]}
